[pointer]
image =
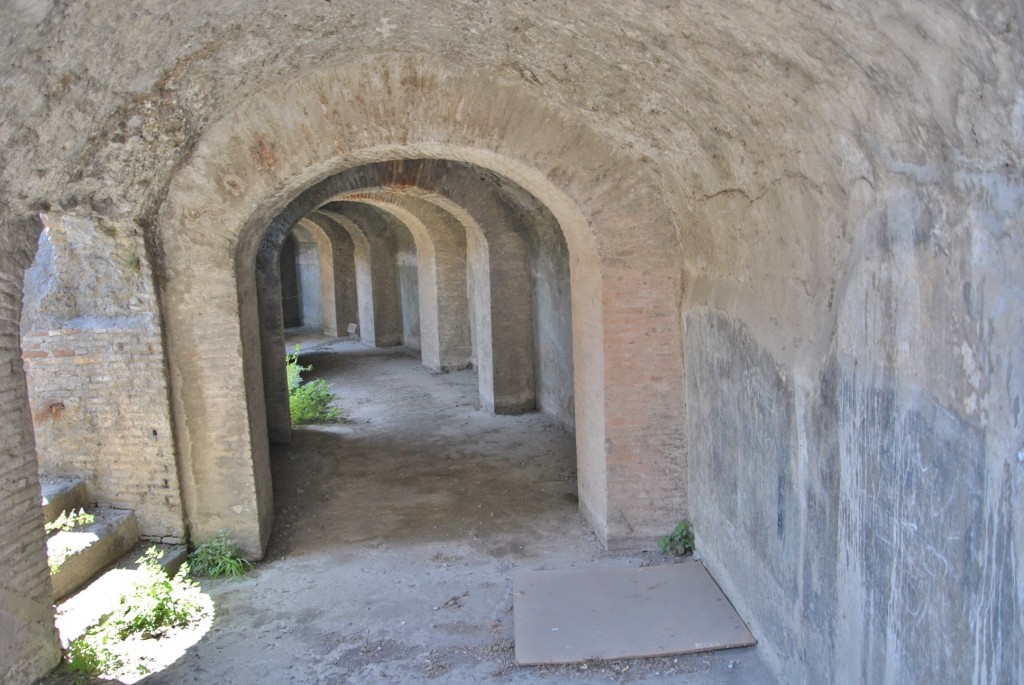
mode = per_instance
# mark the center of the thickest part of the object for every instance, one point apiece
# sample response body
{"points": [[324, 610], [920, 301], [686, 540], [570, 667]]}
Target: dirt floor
{"points": [[395, 540]]}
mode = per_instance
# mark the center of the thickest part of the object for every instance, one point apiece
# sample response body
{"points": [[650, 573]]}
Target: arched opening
{"points": [[624, 353], [306, 273], [502, 291], [463, 258], [839, 266], [441, 241]]}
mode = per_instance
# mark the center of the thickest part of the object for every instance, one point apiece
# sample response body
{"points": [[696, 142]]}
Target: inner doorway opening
{"points": [[448, 259], [463, 271]]}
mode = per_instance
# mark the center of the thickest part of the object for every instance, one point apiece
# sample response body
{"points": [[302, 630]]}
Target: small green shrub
{"points": [[153, 604], [66, 522], [295, 370], [156, 601], [679, 541], [310, 401], [218, 557], [90, 654]]}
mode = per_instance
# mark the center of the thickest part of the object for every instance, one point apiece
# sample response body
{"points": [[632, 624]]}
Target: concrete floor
{"points": [[396, 537]]}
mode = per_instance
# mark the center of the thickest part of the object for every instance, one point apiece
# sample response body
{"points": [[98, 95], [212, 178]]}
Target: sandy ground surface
{"points": [[395, 540]]}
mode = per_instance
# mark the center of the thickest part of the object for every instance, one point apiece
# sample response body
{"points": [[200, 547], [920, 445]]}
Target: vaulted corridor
{"points": [[764, 258], [396, 537]]}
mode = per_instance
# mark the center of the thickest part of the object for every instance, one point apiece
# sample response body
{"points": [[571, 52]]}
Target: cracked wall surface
{"points": [[801, 315]]}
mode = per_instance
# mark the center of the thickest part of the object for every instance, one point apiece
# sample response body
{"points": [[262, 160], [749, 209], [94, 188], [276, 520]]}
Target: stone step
{"points": [[173, 556], [89, 605], [79, 554], [62, 493]]}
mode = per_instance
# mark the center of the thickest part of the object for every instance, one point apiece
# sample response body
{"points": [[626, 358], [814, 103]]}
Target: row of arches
{"points": [[257, 174], [459, 263]]}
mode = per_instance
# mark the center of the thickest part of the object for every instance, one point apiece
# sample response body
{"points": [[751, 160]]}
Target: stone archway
{"points": [[441, 256], [626, 328], [488, 239]]}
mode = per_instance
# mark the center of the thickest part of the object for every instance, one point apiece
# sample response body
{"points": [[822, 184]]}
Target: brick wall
{"points": [[28, 642], [94, 361], [99, 407]]}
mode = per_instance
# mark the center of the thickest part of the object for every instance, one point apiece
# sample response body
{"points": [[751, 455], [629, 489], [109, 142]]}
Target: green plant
{"points": [[309, 401], [57, 559], [66, 521], [294, 370], [679, 541], [153, 604], [217, 557], [90, 654], [156, 602]]}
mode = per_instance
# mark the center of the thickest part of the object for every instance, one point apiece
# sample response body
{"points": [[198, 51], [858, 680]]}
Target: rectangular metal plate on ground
{"points": [[582, 614]]}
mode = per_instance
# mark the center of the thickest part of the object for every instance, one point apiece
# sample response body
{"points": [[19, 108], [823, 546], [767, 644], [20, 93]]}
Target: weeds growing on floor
{"points": [[154, 604], [218, 557], [679, 541], [309, 401]]}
